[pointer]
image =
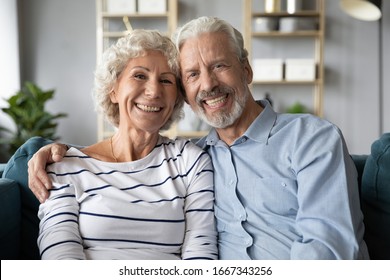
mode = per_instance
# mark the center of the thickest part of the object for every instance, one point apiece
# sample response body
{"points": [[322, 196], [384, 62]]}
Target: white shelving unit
{"points": [[288, 41]]}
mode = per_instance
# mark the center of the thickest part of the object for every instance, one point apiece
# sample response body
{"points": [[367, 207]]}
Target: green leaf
{"points": [[27, 109]]}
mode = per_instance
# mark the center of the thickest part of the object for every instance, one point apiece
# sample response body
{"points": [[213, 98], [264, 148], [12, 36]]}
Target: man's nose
{"points": [[208, 81]]}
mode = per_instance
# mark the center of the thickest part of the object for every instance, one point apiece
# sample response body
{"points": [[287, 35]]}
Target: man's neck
{"points": [[237, 129]]}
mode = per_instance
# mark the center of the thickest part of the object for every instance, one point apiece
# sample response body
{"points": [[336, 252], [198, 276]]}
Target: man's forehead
{"points": [[205, 43], [206, 39]]}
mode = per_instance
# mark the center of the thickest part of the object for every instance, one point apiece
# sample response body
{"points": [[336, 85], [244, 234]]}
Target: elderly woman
{"points": [[136, 195]]}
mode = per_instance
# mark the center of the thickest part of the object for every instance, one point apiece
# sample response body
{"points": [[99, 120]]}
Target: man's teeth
{"points": [[148, 108], [216, 101]]}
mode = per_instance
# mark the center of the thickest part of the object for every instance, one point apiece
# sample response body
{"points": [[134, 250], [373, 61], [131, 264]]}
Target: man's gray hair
{"points": [[205, 24]]}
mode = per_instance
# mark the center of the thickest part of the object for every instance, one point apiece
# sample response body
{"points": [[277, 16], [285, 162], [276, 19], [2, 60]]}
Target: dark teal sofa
{"points": [[18, 206]]}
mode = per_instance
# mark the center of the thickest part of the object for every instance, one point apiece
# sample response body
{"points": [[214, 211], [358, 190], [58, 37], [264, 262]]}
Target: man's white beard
{"points": [[222, 119]]}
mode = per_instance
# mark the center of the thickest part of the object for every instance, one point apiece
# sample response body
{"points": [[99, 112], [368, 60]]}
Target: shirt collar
{"points": [[259, 130]]}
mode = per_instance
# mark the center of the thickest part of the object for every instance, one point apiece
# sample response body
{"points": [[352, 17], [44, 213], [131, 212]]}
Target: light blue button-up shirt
{"points": [[286, 189]]}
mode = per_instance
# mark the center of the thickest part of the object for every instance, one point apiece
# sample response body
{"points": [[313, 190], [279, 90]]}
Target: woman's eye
{"points": [[166, 81], [140, 76]]}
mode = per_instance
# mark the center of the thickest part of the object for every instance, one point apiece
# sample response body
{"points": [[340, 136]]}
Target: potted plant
{"points": [[297, 108], [27, 109]]}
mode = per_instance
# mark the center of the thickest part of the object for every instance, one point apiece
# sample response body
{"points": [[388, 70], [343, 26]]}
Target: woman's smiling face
{"points": [[146, 92]]}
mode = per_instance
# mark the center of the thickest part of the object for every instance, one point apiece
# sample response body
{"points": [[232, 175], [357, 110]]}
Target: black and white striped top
{"points": [[158, 207]]}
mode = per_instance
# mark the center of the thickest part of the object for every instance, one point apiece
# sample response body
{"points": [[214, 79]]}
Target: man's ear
{"points": [[182, 91], [248, 72]]}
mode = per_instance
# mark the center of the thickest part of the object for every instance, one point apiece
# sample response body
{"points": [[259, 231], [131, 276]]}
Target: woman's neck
{"points": [[127, 147], [123, 147]]}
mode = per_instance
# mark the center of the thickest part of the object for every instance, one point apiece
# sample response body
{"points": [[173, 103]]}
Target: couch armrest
{"points": [[10, 219], [16, 169]]}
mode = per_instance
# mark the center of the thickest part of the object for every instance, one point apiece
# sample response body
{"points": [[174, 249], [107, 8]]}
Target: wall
{"points": [[59, 44], [59, 52], [9, 52], [386, 66], [9, 59], [352, 70]]}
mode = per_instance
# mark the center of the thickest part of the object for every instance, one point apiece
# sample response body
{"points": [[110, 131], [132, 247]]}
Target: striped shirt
{"points": [[158, 207]]}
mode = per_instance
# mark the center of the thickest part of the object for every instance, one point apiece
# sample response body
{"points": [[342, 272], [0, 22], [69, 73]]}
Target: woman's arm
{"points": [[59, 235], [200, 241]]}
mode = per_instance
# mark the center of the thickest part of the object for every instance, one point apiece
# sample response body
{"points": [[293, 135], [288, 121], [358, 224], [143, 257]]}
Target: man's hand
{"points": [[38, 181]]}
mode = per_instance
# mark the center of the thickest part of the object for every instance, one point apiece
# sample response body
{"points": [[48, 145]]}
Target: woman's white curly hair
{"points": [[114, 61]]}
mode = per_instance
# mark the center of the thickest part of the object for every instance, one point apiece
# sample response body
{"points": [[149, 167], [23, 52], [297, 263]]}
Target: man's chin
{"points": [[218, 123]]}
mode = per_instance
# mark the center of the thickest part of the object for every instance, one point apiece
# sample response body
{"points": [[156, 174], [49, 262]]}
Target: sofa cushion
{"points": [[17, 170], [9, 219], [376, 198]]}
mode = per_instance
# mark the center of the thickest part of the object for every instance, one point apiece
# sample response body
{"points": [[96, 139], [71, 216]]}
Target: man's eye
{"points": [[192, 75]]}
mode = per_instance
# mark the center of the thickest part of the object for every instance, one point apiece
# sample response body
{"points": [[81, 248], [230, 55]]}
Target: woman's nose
{"points": [[153, 88]]}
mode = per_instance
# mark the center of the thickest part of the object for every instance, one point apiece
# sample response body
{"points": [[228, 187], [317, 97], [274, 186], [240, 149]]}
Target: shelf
{"points": [[285, 14], [264, 45], [192, 134], [114, 34], [287, 83], [314, 33], [135, 15]]}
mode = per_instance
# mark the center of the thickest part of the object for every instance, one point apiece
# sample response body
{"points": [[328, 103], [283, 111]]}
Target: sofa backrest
{"points": [[375, 198]]}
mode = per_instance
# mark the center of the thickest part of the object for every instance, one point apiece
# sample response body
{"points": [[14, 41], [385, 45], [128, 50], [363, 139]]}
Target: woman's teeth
{"points": [[148, 108]]}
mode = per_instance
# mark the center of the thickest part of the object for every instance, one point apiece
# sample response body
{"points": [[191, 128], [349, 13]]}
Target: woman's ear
{"points": [[113, 96]]}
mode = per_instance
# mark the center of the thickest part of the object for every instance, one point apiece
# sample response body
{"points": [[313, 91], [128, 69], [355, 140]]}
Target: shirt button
{"points": [[284, 184], [242, 217]]}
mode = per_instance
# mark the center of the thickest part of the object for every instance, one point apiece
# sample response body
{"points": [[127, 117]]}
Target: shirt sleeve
{"points": [[59, 236], [329, 217], [200, 241]]}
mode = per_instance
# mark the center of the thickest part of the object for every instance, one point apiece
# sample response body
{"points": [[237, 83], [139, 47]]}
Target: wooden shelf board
{"points": [[285, 14], [311, 33], [135, 15]]}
